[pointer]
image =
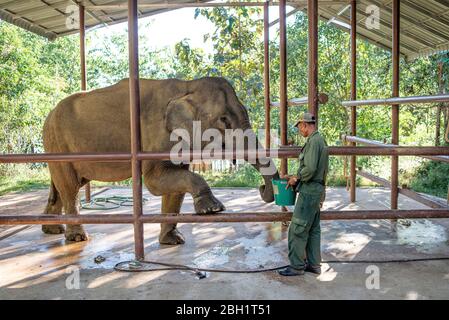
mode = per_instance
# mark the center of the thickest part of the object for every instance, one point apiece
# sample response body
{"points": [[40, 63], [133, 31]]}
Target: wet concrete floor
{"points": [[38, 266]]}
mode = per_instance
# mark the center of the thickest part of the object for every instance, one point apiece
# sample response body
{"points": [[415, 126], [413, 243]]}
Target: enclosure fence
{"points": [[136, 156]]}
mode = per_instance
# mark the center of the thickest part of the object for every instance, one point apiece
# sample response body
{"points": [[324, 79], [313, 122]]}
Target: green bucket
{"points": [[283, 196]]}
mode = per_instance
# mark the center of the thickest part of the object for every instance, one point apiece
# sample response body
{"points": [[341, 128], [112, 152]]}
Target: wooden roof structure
{"points": [[424, 24]]}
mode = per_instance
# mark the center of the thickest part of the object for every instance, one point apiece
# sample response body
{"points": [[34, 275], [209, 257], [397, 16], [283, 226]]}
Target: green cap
{"points": [[306, 117]]}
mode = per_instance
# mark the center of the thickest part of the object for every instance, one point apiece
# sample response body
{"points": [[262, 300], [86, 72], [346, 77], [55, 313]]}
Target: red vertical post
{"points": [[312, 11], [395, 107], [134, 104], [83, 72], [266, 68], [283, 80], [353, 94]]}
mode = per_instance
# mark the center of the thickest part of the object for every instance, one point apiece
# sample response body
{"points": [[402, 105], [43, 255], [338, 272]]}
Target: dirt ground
{"points": [[38, 266]]}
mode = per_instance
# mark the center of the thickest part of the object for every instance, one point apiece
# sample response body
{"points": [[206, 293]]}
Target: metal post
{"points": [[312, 12], [134, 100], [266, 69], [353, 94], [440, 106], [395, 107], [83, 72], [283, 80]]}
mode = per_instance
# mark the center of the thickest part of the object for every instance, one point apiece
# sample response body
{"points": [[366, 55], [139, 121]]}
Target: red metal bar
{"points": [[283, 80], [83, 72], [64, 157], [312, 13], [293, 152], [398, 100], [266, 68], [395, 107], [353, 95], [378, 149], [219, 217], [134, 100]]}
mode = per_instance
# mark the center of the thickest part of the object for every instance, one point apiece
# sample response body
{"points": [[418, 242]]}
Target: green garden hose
{"points": [[109, 202]]}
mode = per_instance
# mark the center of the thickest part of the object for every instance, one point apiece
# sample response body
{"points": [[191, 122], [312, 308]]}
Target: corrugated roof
{"points": [[424, 24], [52, 18]]}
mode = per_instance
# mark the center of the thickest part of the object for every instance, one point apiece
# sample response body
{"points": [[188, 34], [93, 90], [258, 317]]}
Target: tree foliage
{"points": [[35, 74]]}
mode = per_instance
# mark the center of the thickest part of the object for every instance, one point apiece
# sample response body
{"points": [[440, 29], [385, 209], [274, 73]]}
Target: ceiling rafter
{"points": [[424, 30]]}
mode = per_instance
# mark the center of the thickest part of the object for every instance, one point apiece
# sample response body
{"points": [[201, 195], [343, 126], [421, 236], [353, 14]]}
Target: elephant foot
{"points": [[207, 203], [173, 237], [75, 233], [53, 228]]}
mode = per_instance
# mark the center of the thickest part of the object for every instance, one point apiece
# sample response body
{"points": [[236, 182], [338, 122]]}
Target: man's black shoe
{"points": [[290, 271], [313, 269]]}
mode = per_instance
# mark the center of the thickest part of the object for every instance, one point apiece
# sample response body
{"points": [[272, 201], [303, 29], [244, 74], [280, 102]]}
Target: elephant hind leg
{"points": [[68, 185], [171, 204], [54, 206]]}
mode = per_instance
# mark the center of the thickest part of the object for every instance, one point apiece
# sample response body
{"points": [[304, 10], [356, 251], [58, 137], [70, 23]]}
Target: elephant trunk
{"points": [[266, 189], [268, 170]]}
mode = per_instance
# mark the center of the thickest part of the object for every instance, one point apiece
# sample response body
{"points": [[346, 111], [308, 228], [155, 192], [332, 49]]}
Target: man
{"points": [[304, 234]]}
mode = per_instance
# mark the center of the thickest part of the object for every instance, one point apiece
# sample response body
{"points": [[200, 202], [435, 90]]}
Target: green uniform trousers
{"points": [[304, 233]]}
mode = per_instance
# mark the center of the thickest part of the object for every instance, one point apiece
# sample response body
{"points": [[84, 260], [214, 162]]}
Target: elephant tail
{"points": [[53, 196]]}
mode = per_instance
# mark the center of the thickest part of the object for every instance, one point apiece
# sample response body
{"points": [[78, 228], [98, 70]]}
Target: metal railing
{"points": [[136, 156]]}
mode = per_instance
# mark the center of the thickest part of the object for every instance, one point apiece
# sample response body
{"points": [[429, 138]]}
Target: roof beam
{"points": [[24, 24], [93, 15], [290, 13], [427, 13], [412, 22], [378, 34], [405, 33], [124, 6], [53, 7], [6, 4]]}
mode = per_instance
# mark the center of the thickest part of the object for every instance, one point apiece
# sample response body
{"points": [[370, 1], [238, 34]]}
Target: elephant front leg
{"points": [[166, 179], [171, 204]]}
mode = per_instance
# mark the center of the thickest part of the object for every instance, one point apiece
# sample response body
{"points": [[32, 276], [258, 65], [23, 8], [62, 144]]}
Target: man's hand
{"points": [[292, 181]]}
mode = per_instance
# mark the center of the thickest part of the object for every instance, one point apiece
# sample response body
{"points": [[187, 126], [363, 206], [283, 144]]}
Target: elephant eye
{"points": [[225, 120]]}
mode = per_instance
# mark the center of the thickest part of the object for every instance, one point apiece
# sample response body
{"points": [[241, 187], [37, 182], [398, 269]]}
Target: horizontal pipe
{"points": [[293, 152], [220, 217], [366, 141], [436, 157], [322, 99], [61, 157], [284, 152], [398, 100], [406, 192]]}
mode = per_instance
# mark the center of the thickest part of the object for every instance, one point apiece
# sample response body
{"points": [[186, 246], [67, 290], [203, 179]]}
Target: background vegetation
{"points": [[35, 74]]}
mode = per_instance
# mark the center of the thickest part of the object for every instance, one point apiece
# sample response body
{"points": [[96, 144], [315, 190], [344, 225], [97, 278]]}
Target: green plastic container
{"points": [[283, 196]]}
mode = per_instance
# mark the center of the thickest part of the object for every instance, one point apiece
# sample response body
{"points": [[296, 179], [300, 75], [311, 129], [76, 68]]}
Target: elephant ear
{"points": [[180, 114]]}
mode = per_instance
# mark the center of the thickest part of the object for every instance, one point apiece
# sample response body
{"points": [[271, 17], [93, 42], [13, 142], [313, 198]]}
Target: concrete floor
{"points": [[38, 266]]}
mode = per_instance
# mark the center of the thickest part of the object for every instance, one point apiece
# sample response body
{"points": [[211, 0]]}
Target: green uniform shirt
{"points": [[313, 165]]}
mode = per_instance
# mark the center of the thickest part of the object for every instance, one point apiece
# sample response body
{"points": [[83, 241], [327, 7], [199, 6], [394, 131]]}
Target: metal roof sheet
{"points": [[424, 24]]}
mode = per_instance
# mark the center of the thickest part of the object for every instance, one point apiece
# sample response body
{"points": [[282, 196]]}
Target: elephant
{"points": [[99, 121]]}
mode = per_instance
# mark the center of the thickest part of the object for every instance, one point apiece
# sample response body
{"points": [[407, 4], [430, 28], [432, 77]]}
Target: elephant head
{"points": [[213, 104]]}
